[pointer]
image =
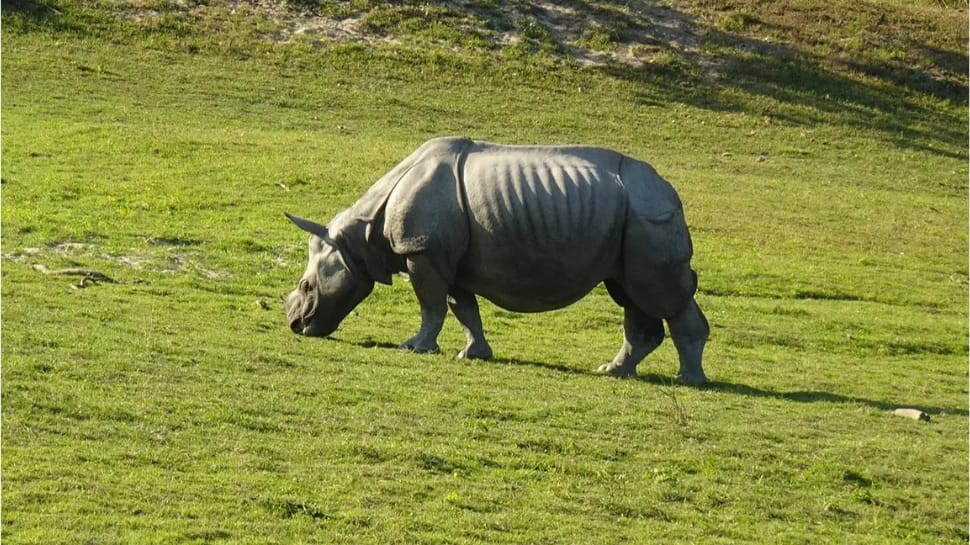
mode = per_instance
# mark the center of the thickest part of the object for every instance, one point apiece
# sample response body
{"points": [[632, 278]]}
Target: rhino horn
{"points": [[309, 226]]}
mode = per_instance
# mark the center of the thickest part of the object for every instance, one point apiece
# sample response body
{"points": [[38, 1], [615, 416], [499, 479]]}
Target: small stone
{"points": [[914, 414]]}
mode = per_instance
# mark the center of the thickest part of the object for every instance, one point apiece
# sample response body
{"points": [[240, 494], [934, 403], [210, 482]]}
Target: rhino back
{"points": [[545, 223]]}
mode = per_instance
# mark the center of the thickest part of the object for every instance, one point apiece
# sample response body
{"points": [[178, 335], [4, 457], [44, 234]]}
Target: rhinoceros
{"points": [[530, 228]]}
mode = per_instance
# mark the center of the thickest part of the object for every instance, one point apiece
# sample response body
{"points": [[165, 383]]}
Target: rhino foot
{"points": [[476, 352], [690, 330], [695, 378], [615, 370], [420, 348]]}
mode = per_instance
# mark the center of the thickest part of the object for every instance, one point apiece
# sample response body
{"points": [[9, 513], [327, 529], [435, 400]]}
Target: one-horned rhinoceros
{"points": [[529, 228]]}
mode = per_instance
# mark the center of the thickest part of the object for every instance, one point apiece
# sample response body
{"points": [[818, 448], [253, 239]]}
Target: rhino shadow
{"points": [[799, 396], [370, 343], [545, 365], [810, 396]]}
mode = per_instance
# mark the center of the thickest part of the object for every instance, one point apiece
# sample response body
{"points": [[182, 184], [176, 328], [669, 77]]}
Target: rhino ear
{"points": [[311, 227]]}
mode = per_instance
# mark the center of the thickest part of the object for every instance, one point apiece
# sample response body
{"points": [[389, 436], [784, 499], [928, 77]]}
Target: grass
{"points": [[160, 145]]}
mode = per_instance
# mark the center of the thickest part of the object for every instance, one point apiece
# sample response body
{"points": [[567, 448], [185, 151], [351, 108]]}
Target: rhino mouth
{"points": [[310, 326], [301, 314], [298, 326]]}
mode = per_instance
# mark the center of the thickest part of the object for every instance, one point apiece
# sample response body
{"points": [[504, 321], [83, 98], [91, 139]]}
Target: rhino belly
{"points": [[541, 234]]}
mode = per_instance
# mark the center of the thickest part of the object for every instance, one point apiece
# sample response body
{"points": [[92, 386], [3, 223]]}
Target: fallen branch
{"points": [[90, 276]]}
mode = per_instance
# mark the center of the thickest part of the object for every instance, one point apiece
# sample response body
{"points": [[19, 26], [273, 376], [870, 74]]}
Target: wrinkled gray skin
{"points": [[528, 228]]}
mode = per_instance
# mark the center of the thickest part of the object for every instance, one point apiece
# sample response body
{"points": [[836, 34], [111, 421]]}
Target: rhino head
{"points": [[331, 287]]}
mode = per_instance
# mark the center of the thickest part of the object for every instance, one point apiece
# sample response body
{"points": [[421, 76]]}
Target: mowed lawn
{"points": [[828, 208]]}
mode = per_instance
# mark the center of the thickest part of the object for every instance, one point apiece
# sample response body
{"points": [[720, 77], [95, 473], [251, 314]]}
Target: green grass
{"points": [[828, 205]]}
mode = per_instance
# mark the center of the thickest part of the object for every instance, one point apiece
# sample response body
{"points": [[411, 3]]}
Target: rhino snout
{"points": [[294, 306], [305, 317], [296, 324]]}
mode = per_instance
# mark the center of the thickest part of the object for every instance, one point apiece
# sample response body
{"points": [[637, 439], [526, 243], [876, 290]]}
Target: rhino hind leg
{"points": [[641, 336], [432, 292], [689, 330], [465, 308]]}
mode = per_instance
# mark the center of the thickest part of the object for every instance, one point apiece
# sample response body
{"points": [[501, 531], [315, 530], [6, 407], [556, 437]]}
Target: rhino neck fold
{"points": [[365, 250]]}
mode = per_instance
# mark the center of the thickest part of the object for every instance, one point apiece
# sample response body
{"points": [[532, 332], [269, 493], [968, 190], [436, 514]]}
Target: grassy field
{"points": [[821, 153]]}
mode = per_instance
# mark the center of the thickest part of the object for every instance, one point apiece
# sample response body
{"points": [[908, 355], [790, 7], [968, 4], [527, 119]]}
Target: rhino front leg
{"points": [[641, 336], [465, 307], [689, 330], [432, 292]]}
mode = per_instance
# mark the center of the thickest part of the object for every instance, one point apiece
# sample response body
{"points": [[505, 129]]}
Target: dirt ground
{"points": [[648, 27]]}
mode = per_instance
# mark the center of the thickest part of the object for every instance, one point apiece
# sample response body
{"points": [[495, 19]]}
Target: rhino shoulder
{"points": [[372, 203], [424, 210]]}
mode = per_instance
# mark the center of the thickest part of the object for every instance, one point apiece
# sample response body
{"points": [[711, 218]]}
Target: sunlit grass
{"points": [[176, 406]]}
